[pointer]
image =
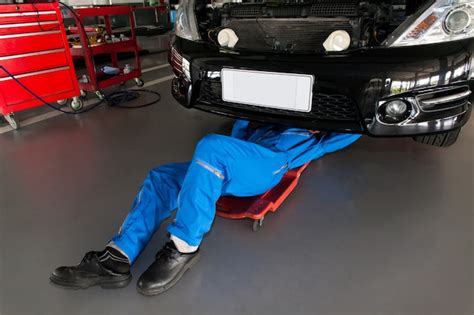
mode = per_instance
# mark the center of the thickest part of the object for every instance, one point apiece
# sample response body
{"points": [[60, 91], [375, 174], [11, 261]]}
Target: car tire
{"points": [[443, 139]]}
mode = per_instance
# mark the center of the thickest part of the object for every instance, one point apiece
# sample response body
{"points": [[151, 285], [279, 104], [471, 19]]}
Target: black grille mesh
{"points": [[334, 9], [300, 34], [246, 11], [287, 11], [325, 106], [317, 8]]}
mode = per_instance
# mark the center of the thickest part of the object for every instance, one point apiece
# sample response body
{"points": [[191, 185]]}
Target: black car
{"points": [[382, 68]]}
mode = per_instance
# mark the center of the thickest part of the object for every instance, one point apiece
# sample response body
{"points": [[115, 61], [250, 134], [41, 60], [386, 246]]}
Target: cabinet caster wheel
{"points": [[12, 121], [76, 104], [100, 95], [83, 94], [139, 82], [257, 224], [62, 102]]}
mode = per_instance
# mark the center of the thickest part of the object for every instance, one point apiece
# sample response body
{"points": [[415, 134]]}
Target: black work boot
{"points": [[93, 271], [168, 267]]}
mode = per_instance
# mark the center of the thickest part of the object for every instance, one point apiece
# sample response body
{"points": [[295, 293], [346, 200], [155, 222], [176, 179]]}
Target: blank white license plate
{"points": [[288, 91]]}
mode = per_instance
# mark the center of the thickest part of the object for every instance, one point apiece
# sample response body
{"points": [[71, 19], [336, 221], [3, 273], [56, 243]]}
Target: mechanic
{"points": [[248, 163]]}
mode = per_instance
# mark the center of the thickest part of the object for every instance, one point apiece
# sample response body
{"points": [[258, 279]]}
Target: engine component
{"points": [[337, 41], [302, 25], [227, 38], [286, 34]]}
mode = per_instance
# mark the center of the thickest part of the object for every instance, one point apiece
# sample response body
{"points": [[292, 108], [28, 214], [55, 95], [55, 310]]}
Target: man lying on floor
{"points": [[247, 163]]}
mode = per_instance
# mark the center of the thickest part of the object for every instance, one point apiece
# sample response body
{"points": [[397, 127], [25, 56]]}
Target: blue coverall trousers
{"points": [[221, 165]]}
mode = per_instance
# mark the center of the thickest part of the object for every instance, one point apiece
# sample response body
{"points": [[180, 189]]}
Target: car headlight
{"points": [[185, 25], [444, 20]]}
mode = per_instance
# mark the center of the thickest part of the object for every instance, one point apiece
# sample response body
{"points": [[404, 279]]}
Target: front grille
{"points": [[306, 34], [331, 8], [334, 9], [325, 106], [288, 11], [246, 11]]}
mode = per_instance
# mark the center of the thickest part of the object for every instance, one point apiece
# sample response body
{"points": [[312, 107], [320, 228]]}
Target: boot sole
{"points": [[175, 280], [104, 283]]}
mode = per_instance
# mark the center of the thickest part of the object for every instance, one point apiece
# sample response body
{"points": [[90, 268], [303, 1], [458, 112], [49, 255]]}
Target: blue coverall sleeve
{"points": [[336, 141], [240, 129], [328, 143]]}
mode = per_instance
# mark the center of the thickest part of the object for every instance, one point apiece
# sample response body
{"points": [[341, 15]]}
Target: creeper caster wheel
{"points": [[100, 95], [139, 82], [257, 224], [12, 121], [77, 104]]}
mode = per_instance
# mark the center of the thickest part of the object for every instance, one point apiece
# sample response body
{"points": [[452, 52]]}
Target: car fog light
{"points": [[457, 21], [337, 41], [396, 108], [395, 111]]}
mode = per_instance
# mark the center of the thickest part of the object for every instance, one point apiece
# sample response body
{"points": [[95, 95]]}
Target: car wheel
{"points": [[443, 139]]}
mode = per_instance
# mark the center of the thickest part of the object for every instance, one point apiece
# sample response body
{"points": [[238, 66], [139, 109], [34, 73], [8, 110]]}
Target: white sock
{"points": [[182, 246]]}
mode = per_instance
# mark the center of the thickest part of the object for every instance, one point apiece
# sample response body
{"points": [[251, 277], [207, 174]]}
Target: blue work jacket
{"points": [[300, 145]]}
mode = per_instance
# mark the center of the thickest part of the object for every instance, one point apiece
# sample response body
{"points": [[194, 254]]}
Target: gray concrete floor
{"points": [[384, 227]]}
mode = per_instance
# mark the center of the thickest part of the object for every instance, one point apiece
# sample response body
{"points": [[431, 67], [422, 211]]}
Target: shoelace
{"points": [[88, 257], [167, 252]]}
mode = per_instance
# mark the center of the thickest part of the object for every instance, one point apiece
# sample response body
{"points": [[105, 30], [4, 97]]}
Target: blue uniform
{"points": [[247, 163]]}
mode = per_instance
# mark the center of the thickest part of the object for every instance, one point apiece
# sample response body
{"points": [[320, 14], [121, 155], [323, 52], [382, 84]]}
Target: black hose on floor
{"points": [[115, 99]]}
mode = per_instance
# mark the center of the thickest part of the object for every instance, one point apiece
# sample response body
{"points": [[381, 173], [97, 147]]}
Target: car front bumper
{"points": [[349, 88]]}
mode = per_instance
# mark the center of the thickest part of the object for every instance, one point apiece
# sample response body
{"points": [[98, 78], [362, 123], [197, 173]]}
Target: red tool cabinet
{"points": [[96, 81], [34, 48]]}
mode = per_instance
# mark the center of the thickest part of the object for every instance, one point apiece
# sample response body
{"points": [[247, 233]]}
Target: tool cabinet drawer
{"points": [[32, 62], [25, 13], [27, 17], [16, 44], [45, 83], [28, 27]]}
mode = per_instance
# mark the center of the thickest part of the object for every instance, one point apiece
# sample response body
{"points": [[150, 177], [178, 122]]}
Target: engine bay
{"points": [[301, 25]]}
